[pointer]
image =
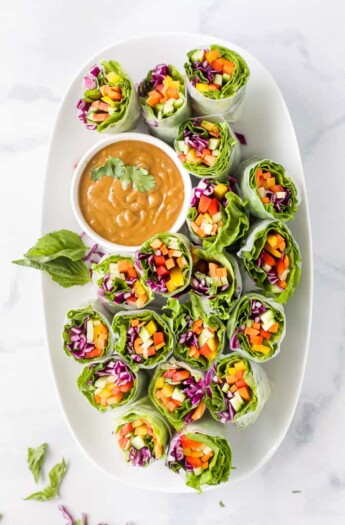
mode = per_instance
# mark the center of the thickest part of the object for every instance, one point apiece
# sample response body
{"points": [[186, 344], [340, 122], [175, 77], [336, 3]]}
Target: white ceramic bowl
{"points": [[95, 149]]}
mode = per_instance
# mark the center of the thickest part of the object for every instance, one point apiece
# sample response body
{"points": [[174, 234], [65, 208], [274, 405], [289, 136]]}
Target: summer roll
{"points": [[109, 103], [217, 79], [111, 384], [142, 434], [217, 217], [119, 284], [162, 96], [200, 336], [166, 263], [87, 334], [178, 392], [217, 280], [207, 147], [270, 191], [236, 390], [272, 258], [142, 338], [201, 454], [256, 327]]}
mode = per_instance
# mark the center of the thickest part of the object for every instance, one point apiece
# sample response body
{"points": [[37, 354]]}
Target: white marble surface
{"points": [[42, 44]]}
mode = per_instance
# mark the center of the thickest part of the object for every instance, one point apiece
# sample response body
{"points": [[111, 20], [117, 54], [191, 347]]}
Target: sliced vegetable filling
{"points": [[121, 282], [201, 339], [259, 328], [217, 72], [166, 264], [191, 456], [274, 260], [230, 380], [87, 337], [163, 90], [139, 442], [209, 278], [113, 383], [144, 339], [202, 147], [180, 393], [271, 190]]}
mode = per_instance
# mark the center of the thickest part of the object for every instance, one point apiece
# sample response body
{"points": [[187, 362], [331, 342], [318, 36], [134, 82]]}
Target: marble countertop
{"points": [[43, 43]]}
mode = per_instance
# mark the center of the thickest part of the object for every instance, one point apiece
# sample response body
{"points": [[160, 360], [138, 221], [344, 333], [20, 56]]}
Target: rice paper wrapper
{"points": [[230, 151], [259, 384], [144, 409], [120, 335], [130, 118], [222, 303], [88, 308], [249, 255], [231, 107], [99, 272], [89, 376], [176, 318], [212, 433], [142, 264], [256, 206], [177, 421], [233, 325]]}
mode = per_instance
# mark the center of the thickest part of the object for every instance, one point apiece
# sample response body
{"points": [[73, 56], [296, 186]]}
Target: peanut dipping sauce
{"points": [[130, 217]]}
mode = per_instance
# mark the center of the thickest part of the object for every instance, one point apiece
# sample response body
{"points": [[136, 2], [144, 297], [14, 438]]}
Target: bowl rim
{"points": [[95, 148]]}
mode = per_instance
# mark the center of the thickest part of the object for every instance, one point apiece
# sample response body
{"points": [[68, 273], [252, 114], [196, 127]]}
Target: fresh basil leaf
{"points": [[35, 459], [62, 270], [63, 243], [56, 475]]}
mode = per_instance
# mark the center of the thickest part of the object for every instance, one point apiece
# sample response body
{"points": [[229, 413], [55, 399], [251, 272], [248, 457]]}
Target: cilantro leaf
{"points": [[114, 167], [56, 475], [35, 459]]}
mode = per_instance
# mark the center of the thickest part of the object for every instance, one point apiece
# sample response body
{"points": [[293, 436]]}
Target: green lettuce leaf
{"points": [[239, 317], [120, 326], [217, 302], [252, 249], [177, 417], [235, 224], [35, 459], [238, 79], [228, 149], [178, 317], [77, 318], [184, 247], [51, 491], [250, 191]]}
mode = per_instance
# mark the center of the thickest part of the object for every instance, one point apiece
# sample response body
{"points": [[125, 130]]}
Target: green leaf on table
{"points": [[35, 459], [56, 475], [63, 271], [62, 243], [114, 167]]}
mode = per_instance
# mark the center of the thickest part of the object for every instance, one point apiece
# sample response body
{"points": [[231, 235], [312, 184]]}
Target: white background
{"points": [[43, 44]]}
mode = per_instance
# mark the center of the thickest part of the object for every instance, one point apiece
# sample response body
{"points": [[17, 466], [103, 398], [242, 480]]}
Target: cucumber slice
{"points": [[213, 143], [178, 395], [137, 442], [178, 103], [218, 79], [226, 77], [187, 149], [267, 316], [180, 145], [144, 334], [197, 55], [215, 152]]}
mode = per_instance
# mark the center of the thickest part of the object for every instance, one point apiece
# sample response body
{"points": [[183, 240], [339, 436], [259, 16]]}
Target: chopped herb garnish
{"points": [[296, 492], [114, 167], [55, 477], [221, 504]]}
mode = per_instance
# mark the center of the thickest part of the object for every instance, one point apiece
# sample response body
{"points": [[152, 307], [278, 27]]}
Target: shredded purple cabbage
{"points": [[115, 367], [78, 345], [206, 187], [241, 138], [140, 458]]}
